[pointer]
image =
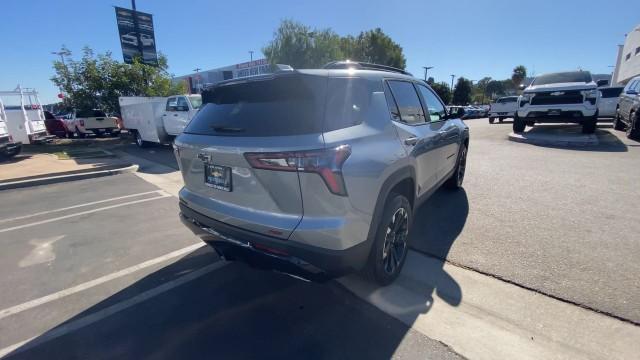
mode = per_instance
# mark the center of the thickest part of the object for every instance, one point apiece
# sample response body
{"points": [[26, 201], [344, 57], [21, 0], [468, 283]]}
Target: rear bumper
{"points": [[266, 252]]}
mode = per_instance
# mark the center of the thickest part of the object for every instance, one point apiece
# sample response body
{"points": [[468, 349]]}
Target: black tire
{"points": [[633, 130], [491, 120], [114, 134], [80, 135], [501, 120], [589, 125], [454, 182], [141, 143], [518, 124], [391, 241], [617, 122]]}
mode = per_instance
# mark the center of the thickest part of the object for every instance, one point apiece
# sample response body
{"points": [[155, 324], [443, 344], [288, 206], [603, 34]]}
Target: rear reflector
{"points": [[327, 163]]}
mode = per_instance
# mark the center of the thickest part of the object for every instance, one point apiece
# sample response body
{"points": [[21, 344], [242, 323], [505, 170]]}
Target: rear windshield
{"points": [[611, 92], [281, 106], [563, 77]]}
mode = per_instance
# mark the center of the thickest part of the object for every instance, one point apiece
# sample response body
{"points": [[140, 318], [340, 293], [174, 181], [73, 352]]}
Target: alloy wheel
{"points": [[395, 241]]}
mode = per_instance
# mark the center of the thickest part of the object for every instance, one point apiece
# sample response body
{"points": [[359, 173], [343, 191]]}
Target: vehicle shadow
{"points": [[230, 312], [607, 141]]}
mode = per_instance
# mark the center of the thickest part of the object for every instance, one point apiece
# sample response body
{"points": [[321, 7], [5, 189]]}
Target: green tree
{"points": [[300, 46], [431, 80], [97, 81], [443, 91], [462, 92], [374, 46], [494, 88], [518, 75]]}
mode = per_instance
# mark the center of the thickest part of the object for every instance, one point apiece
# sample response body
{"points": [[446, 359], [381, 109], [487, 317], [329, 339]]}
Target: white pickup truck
{"points": [[504, 107], [563, 97], [158, 119], [85, 122]]}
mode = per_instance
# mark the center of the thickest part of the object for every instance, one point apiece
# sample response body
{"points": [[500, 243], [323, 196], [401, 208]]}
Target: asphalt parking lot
{"points": [[561, 221], [102, 268]]}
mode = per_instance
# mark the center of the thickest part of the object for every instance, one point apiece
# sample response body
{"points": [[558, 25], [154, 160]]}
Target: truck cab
{"points": [[179, 110]]}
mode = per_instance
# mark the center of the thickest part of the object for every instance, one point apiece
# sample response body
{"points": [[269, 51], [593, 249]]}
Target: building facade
{"points": [[628, 60], [198, 80]]}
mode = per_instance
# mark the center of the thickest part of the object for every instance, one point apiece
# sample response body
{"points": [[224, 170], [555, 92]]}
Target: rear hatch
{"points": [[238, 154]]}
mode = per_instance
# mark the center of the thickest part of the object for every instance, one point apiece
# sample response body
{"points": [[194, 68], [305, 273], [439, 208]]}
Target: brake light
{"points": [[327, 163]]}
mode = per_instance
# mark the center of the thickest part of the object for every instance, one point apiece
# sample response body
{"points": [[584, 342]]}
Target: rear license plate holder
{"points": [[218, 177]]}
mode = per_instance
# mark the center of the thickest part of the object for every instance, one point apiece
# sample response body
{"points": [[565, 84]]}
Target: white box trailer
{"points": [[8, 147], [157, 119], [25, 118]]}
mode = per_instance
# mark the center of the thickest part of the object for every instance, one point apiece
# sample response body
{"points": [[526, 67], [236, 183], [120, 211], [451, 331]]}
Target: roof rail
{"points": [[348, 64]]}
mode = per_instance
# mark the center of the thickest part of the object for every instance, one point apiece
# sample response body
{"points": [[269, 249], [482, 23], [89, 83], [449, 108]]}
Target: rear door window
{"points": [[408, 102], [282, 106], [347, 103]]}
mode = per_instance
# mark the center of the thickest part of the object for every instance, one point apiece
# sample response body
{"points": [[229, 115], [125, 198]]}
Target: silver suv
{"points": [[316, 173]]}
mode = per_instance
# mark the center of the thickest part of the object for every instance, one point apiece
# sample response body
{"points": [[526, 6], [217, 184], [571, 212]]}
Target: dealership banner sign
{"points": [[140, 42]]}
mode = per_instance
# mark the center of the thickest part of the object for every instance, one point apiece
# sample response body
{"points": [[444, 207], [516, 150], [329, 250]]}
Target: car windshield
{"points": [[196, 101], [563, 77]]}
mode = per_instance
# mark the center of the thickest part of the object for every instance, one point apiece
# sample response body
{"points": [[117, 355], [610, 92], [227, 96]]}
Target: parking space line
{"points": [[162, 196], [81, 205], [104, 313], [101, 280]]}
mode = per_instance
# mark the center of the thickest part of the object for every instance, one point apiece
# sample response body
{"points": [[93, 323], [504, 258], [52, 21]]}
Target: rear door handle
{"points": [[411, 141]]}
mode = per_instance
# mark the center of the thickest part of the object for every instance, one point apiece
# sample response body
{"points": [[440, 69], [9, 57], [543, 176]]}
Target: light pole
{"points": [[62, 53], [426, 70], [251, 55]]}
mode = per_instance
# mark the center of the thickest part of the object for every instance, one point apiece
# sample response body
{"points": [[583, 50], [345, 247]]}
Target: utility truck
{"points": [[24, 115], [157, 119], [8, 148]]}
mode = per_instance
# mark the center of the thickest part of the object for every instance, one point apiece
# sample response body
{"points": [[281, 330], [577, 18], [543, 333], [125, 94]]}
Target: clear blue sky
{"points": [[471, 38]]}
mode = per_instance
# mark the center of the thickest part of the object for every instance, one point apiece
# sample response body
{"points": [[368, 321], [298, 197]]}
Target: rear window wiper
{"points": [[227, 129]]}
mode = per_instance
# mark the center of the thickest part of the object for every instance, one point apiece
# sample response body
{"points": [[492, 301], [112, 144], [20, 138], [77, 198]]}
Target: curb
{"points": [[522, 138], [64, 178]]}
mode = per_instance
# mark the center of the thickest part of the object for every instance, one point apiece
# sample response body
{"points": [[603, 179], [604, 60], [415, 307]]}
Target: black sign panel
{"points": [[139, 43]]}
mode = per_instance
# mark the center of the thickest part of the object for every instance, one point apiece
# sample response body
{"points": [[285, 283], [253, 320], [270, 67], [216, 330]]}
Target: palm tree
{"points": [[519, 74]]}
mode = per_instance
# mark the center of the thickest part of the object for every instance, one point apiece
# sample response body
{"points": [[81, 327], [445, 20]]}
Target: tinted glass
{"points": [[507, 99], [391, 103], [282, 106], [99, 113], [435, 109], [408, 102], [347, 102], [564, 77], [611, 92]]}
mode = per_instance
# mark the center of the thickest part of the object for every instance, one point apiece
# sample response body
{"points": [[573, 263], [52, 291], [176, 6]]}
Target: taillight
{"points": [[326, 163]]}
